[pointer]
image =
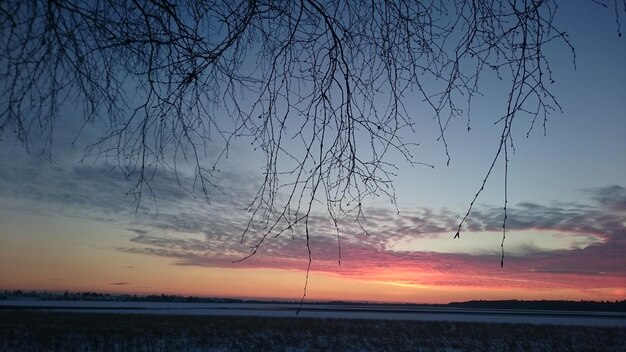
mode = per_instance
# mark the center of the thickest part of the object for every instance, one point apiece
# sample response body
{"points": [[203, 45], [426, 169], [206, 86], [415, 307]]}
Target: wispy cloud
{"points": [[189, 231], [594, 258]]}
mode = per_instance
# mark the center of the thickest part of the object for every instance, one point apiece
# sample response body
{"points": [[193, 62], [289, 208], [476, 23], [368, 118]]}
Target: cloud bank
{"points": [[561, 245]]}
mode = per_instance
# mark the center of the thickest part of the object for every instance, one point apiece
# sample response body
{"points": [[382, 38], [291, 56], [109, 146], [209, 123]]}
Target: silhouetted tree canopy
{"points": [[321, 87]]}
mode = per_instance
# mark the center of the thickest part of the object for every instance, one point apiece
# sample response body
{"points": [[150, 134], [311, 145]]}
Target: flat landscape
{"points": [[162, 326], [330, 310]]}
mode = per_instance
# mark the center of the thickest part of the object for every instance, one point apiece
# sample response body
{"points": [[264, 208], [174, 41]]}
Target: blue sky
{"points": [[68, 224]]}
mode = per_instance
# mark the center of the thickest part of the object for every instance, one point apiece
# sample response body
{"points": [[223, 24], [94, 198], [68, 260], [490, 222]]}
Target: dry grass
{"points": [[22, 330]]}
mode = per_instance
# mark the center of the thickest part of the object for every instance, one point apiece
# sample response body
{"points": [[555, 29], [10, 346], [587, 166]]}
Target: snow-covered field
{"points": [[339, 311], [61, 328]]}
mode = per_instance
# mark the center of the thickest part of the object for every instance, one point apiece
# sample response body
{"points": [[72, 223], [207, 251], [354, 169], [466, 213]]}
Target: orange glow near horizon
{"points": [[367, 273], [289, 285]]}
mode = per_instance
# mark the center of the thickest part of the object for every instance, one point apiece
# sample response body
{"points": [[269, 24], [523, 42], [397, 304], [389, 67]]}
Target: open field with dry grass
{"points": [[27, 330]]}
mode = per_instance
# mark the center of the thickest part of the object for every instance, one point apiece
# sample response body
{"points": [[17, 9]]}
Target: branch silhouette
{"points": [[320, 87]]}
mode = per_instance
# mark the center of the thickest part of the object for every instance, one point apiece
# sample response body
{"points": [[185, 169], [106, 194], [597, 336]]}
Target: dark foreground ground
{"points": [[24, 330]]}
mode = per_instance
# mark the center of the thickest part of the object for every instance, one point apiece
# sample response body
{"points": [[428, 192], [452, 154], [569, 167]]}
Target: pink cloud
{"points": [[597, 266]]}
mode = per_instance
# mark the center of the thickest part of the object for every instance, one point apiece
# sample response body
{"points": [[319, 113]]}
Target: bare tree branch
{"points": [[321, 87]]}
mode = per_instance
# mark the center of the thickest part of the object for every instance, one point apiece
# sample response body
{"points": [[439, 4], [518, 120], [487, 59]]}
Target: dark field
{"points": [[25, 330]]}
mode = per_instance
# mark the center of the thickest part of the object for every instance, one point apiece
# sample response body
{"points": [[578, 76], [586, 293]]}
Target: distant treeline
{"points": [[596, 306], [96, 296]]}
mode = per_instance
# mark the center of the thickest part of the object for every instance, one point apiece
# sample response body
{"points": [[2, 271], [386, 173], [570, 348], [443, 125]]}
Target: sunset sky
{"points": [[67, 225]]}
